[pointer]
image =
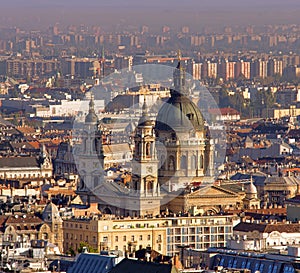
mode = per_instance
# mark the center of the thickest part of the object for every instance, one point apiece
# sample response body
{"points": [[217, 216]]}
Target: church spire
{"points": [[179, 78], [145, 108], [92, 104], [144, 120], [91, 116]]}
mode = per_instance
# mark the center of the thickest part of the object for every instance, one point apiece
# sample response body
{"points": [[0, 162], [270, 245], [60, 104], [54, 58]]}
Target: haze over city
{"points": [[197, 14]]}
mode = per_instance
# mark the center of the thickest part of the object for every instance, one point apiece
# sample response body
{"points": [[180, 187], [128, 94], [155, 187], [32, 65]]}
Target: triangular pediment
{"points": [[110, 189], [148, 137], [77, 200], [212, 191], [149, 177]]}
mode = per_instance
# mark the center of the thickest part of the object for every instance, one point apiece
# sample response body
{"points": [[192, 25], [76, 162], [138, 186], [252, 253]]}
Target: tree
{"points": [[89, 248], [71, 251]]}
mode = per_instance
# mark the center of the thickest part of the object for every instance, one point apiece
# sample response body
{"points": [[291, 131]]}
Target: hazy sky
{"points": [[197, 13]]}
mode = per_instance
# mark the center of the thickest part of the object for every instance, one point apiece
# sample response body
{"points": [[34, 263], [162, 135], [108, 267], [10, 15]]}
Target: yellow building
{"points": [[109, 233], [279, 113], [52, 218], [163, 234]]}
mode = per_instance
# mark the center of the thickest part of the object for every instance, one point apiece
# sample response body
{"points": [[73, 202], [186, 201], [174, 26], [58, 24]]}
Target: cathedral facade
{"points": [[171, 154]]}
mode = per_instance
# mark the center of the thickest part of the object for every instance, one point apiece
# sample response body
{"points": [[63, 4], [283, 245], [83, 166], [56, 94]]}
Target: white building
{"points": [[28, 167], [263, 235], [68, 108], [224, 114]]}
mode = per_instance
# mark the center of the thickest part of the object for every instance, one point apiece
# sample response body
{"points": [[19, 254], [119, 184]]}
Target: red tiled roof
{"points": [[243, 130], [26, 129], [61, 192], [20, 219], [34, 144], [3, 219], [56, 141], [223, 111], [291, 170]]}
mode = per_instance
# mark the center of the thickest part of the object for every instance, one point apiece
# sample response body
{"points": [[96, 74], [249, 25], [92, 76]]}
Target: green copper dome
{"points": [[180, 113]]}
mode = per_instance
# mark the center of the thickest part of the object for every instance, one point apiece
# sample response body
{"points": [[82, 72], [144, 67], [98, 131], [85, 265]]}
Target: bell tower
{"points": [[144, 180], [90, 156], [46, 163], [145, 158]]}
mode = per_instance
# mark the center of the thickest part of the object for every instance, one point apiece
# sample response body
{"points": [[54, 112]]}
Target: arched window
{"points": [[201, 161], [171, 163], [148, 149], [95, 145], [84, 144], [193, 162], [183, 162], [149, 186], [163, 162], [81, 183], [138, 149]]}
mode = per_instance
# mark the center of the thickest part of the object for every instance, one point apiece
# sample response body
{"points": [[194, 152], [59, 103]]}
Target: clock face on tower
{"points": [[149, 169]]}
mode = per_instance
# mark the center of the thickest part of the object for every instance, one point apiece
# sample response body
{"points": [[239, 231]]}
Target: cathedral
{"points": [[172, 155]]}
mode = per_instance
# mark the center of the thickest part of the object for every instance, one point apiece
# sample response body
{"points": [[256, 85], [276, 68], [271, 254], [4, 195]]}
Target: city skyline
{"points": [[151, 136]]}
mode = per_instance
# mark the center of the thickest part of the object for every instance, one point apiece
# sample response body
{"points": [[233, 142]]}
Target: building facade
{"points": [[164, 234], [261, 236], [26, 167], [185, 157]]}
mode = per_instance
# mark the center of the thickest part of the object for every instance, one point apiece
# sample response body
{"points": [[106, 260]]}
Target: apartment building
{"points": [[163, 234], [109, 233], [33, 67], [198, 232]]}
